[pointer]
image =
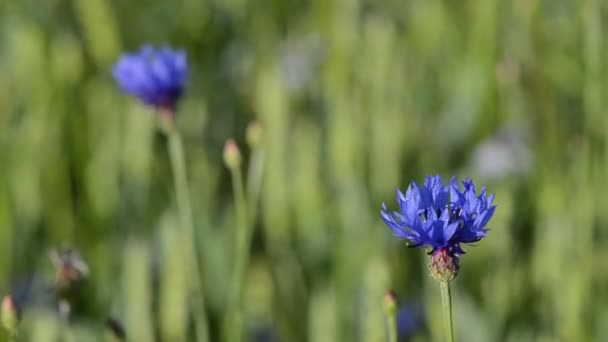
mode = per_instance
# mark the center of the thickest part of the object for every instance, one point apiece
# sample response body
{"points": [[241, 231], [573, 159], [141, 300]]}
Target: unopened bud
{"points": [[444, 265], [254, 134], [10, 315], [232, 154], [390, 303]]}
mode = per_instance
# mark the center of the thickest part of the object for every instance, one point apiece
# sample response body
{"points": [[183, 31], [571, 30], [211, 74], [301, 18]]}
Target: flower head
{"points": [[410, 319], [155, 76], [71, 270], [441, 217]]}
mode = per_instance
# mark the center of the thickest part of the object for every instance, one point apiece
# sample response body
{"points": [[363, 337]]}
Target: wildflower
{"points": [[441, 217], [155, 76], [404, 320], [70, 270], [410, 320]]}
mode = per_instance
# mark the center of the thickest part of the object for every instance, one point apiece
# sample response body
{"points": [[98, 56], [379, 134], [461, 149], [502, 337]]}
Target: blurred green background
{"points": [[356, 98]]}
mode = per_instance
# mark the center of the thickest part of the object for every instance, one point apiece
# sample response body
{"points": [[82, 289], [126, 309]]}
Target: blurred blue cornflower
{"points": [[410, 320], [441, 217], [155, 76]]}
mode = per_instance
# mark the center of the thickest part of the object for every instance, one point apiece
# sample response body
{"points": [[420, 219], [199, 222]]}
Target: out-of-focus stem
{"points": [[254, 183], [390, 309], [233, 329], [392, 328], [446, 302], [182, 193]]}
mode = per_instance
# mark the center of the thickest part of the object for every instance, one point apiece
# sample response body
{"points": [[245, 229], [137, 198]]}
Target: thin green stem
{"points": [[392, 327], [242, 234], [446, 302], [254, 182], [233, 328], [178, 164]]}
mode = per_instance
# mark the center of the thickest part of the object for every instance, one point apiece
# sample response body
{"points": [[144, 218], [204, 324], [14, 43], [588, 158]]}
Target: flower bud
{"points": [[444, 265], [254, 134], [10, 315], [232, 154], [390, 303]]}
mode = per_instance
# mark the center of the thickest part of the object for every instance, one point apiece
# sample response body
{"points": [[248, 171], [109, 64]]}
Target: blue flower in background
{"points": [[410, 320], [440, 216], [155, 76]]}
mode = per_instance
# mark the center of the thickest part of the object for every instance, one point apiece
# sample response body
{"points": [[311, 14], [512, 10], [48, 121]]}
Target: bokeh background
{"points": [[355, 98]]}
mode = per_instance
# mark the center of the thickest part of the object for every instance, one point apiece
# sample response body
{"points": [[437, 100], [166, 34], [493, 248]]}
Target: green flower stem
{"points": [[241, 217], [446, 302], [392, 327], [233, 328], [254, 182], [178, 165]]}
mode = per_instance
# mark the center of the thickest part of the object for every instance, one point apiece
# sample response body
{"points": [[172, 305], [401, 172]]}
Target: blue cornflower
{"points": [[155, 76], [441, 217], [410, 320]]}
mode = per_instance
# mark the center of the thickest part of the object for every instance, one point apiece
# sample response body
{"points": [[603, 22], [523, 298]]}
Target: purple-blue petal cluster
{"points": [[441, 216], [410, 320], [155, 76]]}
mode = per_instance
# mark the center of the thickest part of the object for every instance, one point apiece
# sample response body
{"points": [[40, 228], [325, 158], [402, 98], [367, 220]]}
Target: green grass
{"points": [[355, 98]]}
